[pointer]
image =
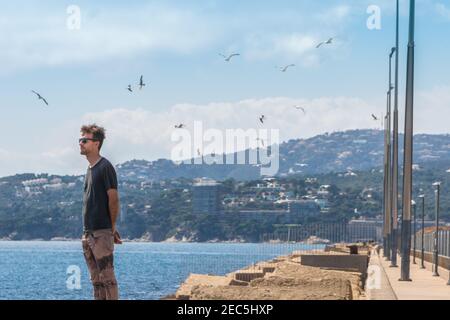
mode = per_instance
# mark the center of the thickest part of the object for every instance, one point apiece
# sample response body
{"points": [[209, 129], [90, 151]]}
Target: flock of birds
{"points": [[227, 58], [141, 84], [262, 117]]}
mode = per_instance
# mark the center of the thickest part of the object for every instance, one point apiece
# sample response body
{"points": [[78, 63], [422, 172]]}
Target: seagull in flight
{"points": [[227, 59], [179, 126], [300, 108], [374, 117], [129, 88], [198, 152], [40, 97], [283, 69], [262, 118], [329, 41], [141, 83]]}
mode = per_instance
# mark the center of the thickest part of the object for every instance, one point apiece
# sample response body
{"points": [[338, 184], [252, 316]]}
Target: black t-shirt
{"points": [[99, 179]]}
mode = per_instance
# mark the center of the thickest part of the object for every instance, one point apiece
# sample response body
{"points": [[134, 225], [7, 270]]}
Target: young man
{"points": [[100, 212]]}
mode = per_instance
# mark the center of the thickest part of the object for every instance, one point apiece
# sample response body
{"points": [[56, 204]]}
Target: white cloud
{"points": [[43, 39], [40, 38], [300, 46], [431, 110], [65, 161], [442, 10], [296, 47], [140, 133], [145, 134], [335, 15]]}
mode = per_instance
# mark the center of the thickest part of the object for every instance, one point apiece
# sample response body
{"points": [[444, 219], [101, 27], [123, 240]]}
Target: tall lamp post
{"points": [[408, 150], [436, 234], [388, 163], [386, 252], [393, 194], [395, 151], [422, 234], [413, 204]]}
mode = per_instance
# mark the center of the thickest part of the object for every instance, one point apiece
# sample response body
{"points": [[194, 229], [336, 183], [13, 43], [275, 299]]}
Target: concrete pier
{"points": [[422, 287]]}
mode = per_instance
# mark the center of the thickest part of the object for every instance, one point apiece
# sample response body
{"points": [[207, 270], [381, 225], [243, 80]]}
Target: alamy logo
{"points": [[73, 282], [203, 146], [374, 20], [73, 21], [373, 277]]}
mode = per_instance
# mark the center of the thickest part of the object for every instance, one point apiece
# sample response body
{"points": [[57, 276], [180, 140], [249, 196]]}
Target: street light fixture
{"points": [[386, 227], [413, 204], [437, 185], [422, 251]]}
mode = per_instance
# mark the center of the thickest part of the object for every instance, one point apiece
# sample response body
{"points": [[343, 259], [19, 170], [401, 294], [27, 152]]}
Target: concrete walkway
{"points": [[422, 287], [377, 285]]}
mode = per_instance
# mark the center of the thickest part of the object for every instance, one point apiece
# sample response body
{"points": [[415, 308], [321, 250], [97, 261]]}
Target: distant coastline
{"points": [[62, 239], [140, 240]]}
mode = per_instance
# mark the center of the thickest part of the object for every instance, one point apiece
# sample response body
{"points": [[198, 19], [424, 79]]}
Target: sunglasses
{"points": [[85, 140]]}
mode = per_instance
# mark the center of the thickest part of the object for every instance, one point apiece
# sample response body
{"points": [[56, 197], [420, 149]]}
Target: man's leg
{"points": [[103, 252], [99, 291]]}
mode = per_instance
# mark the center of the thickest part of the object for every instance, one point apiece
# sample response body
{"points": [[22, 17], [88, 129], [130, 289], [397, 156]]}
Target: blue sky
{"points": [[175, 44]]}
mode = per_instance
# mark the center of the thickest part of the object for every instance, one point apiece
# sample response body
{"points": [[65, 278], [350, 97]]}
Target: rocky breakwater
{"points": [[283, 278]]}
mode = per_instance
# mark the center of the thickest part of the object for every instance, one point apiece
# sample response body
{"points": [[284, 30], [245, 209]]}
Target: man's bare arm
{"points": [[113, 203]]}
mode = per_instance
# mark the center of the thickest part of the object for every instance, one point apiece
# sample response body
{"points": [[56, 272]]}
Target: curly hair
{"points": [[97, 132]]}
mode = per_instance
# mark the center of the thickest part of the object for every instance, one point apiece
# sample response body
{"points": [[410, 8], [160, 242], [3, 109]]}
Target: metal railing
{"points": [[324, 233], [429, 240], [285, 239]]}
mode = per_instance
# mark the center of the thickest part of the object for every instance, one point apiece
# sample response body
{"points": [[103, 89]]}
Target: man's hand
{"points": [[117, 239], [113, 203]]}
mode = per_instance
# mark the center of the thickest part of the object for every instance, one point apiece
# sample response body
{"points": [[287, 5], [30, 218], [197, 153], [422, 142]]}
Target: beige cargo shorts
{"points": [[98, 249]]}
